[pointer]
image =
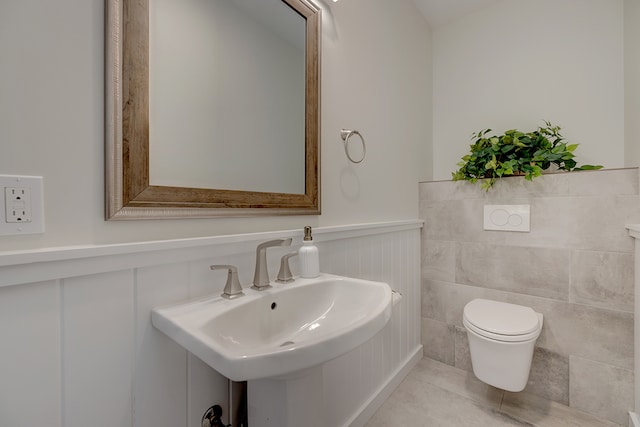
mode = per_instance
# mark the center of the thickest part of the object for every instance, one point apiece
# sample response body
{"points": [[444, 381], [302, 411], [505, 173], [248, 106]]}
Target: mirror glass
{"points": [[226, 95], [212, 108]]}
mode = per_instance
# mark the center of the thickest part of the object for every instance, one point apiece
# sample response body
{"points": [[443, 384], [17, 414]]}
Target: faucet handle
{"points": [[232, 288], [284, 275]]}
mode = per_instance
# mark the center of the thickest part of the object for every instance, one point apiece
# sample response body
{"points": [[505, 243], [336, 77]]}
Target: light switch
{"points": [[507, 218]]}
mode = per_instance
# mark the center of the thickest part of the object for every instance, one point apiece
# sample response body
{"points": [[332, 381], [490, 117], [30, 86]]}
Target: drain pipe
{"points": [[230, 391], [238, 404], [236, 409]]}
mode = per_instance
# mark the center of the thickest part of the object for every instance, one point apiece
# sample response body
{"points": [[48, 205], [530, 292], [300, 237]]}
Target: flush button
{"points": [[499, 217], [507, 217]]}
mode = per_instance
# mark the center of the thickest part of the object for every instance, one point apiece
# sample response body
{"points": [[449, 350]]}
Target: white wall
{"points": [[375, 78], [632, 82], [515, 64]]}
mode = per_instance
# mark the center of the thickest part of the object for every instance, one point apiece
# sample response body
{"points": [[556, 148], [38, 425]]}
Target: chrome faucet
{"points": [[261, 275]]}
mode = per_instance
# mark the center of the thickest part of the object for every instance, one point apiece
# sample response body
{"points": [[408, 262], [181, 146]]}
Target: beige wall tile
{"points": [[549, 376], [438, 340], [575, 329], [603, 390], [445, 301], [462, 353], [569, 329], [531, 271], [438, 260], [574, 267], [603, 279], [546, 185], [551, 222], [598, 223], [601, 183], [595, 222], [456, 220], [594, 333], [433, 304]]}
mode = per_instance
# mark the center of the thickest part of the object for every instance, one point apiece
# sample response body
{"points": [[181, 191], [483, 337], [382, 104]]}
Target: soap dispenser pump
{"points": [[308, 256]]}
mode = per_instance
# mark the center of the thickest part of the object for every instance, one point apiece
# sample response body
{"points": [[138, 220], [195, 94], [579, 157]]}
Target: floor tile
{"points": [[417, 403], [546, 413], [437, 395]]}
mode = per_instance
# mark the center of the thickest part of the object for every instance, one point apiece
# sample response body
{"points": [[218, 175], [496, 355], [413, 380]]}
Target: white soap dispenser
{"points": [[308, 256]]}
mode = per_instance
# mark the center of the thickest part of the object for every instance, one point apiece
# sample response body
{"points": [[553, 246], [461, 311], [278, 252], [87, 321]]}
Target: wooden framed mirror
{"points": [[131, 192]]}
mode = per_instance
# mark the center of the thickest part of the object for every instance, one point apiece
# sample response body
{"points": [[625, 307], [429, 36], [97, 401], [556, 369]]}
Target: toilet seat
{"points": [[502, 321]]}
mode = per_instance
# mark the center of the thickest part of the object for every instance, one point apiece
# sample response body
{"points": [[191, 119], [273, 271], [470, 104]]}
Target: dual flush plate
{"points": [[507, 218]]}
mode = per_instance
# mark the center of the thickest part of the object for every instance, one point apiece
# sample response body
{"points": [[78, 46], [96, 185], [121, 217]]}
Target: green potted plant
{"points": [[516, 153]]}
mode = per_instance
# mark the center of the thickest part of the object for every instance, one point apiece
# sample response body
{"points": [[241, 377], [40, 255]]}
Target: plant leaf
{"points": [[493, 156], [589, 167]]}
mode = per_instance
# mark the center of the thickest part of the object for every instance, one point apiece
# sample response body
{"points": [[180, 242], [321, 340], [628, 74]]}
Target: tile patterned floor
{"points": [[437, 395]]}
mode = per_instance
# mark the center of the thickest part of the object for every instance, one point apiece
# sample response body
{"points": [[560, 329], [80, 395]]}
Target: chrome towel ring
{"points": [[345, 134]]}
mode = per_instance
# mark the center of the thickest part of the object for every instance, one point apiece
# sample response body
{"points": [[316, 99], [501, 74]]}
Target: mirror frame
{"points": [[128, 192]]}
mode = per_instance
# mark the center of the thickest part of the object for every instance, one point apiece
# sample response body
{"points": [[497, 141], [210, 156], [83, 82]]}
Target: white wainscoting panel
{"points": [[78, 347], [160, 379], [389, 257], [30, 361], [97, 349]]}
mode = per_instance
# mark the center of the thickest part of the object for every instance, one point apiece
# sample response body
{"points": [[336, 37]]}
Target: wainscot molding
{"points": [[19, 267], [634, 230]]}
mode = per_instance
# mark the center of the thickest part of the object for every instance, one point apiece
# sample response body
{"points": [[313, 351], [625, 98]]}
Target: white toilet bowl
{"points": [[502, 337]]}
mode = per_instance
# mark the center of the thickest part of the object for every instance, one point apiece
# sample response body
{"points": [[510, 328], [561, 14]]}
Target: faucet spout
{"points": [[261, 275]]}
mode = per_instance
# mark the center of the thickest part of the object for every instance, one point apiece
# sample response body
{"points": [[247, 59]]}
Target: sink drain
{"points": [[286, 343]]}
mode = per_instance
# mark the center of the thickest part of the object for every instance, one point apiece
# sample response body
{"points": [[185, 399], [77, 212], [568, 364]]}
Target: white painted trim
{"points": [[18, 267], [634, 230], [320, 234], [369, 408], [634, 419]]}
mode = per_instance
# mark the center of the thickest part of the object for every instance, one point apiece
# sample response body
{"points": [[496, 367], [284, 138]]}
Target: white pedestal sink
{"points": [[278, 339], [295, 401]]}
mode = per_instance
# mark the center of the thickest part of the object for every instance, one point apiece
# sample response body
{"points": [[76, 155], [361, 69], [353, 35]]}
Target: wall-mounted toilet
{"points": [[502, 337]]}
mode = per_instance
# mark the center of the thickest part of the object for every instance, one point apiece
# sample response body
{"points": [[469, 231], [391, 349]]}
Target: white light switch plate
{"points": [[21, 205], [507, 218]]}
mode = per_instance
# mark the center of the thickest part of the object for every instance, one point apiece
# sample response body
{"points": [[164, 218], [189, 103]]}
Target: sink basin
{"points": [[273, 333]]}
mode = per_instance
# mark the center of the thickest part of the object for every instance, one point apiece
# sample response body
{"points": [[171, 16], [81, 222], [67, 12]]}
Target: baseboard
{"points": [[634, 419], [366, 411]]}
